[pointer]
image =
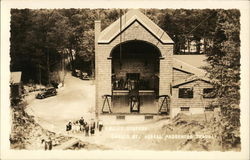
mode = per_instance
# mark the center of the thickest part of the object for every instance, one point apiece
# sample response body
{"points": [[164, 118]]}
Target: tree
{"points": [[21, 22], [37, 38], [184, 26], [224, 71]]}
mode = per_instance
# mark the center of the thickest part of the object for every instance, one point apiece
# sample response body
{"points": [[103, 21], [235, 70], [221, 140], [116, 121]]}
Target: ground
{"points": [[76, 99]]}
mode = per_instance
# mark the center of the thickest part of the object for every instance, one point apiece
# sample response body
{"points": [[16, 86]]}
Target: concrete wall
{"points": [[103, 65], [134, 66]]}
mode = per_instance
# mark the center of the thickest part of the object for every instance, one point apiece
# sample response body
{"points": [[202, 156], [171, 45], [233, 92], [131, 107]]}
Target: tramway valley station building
{"points": [[138, 74]]}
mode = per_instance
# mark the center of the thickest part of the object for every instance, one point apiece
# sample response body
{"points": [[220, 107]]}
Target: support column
{"points": [[97, 54]]}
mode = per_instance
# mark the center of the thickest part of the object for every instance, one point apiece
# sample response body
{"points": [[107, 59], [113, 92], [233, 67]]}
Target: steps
{"points": [[67, 144]]}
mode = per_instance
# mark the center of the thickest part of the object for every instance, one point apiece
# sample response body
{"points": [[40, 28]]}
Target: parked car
{"points": [[76, 73], [47, 93], [84, 76]]}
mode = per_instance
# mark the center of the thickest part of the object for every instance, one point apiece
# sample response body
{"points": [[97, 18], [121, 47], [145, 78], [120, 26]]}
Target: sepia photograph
{"points": [[125, 79]]}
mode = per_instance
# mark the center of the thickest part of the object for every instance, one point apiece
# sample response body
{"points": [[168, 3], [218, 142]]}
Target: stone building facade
{"points": [[135, 67]]}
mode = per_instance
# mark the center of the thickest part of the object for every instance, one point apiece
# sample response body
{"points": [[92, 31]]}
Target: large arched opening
{"points": [[135, 72]]}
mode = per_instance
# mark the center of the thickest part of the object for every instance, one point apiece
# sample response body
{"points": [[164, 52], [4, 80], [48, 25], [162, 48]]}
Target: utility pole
{"points": [[120, 39], [63, 58], [48, 67], [40, 75]]}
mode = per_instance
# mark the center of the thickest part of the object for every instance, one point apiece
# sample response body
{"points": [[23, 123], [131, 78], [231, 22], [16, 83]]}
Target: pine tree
{"points": [[224, 71]]}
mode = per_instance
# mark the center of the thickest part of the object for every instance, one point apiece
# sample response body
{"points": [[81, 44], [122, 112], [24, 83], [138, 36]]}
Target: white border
{"points": [[6, 153]]}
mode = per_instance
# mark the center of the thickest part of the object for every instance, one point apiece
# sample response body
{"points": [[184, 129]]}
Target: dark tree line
{"points": [[185, 26], [43, 40]]}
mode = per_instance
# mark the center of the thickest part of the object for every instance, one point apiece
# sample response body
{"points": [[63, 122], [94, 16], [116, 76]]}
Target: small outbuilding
{"points": [[15, 85]]}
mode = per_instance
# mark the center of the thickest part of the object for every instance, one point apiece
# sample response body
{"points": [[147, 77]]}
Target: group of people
{"points": [[128, 84], [83, 126], [120, 83]]}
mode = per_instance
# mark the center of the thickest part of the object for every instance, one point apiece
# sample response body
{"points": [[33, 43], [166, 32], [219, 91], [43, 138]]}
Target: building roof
{"points": [[113, 30], [198, 61], [198, 74], [178, 64], [15, 77], [189, 80]]}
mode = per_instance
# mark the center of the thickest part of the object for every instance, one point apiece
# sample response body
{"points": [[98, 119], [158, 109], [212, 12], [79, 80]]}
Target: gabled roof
{"points": [[178, 64], [189, 80], [113, 30], [198, 74], [15, 77]]}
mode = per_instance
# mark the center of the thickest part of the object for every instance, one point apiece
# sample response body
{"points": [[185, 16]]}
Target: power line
{"points": [[185, 36], [201, 23], [120, 37]]}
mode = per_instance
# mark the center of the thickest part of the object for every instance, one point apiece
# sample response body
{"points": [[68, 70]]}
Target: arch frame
{"points": [[136, 40]]}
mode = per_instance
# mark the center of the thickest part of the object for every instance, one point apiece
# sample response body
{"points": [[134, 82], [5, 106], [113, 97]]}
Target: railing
{"points": [[135, 103], [164, 102], [106, 107]]}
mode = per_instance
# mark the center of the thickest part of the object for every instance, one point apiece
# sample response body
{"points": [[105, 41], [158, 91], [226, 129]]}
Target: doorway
{"points": [[133, 87]]}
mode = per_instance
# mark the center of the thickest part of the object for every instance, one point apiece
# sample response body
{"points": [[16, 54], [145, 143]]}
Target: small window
{"points": [[120, 117], [185, 108], [149, 117], [209, 108], [185, 93], [209, 93]]}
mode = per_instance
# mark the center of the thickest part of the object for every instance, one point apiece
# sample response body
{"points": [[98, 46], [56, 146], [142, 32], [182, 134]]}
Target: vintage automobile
{"points": [[76, 73], [47, 93], [84, 76]]}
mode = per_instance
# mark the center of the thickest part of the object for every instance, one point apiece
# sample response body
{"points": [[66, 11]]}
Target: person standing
{"points": [[81, 121], [86, 129], [78, 127], [92, 127], [74, 127], [49, 143], [100, 125], [69, 127]]}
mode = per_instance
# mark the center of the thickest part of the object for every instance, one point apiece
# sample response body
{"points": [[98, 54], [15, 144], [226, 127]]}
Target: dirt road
{"points": [[74, 100]]}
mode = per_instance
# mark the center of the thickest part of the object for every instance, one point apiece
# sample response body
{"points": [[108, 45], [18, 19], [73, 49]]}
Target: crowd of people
{"points": [[82, 126]]}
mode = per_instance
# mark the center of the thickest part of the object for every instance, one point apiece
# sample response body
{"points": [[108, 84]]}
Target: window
{"points": [[209, 93], [185, 93], [209, 108], [149, 117], [184, 108], [120, 117]]}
